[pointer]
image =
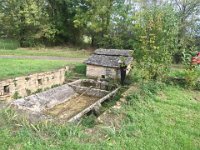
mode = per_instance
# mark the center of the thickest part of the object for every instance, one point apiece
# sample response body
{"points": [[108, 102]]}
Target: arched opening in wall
{"points": [[6, 89]]}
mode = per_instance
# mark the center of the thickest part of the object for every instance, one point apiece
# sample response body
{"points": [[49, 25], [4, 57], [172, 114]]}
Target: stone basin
{"points": [[68, 102]]}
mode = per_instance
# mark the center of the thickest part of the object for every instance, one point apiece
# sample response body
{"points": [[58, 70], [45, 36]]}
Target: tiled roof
{"points": [[109, 57]]}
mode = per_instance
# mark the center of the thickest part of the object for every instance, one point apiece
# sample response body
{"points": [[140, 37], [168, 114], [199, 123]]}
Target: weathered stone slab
{"points": [[45, 100]]}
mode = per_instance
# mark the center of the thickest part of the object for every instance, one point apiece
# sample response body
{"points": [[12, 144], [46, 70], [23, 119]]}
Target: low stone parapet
{"points": [[26, 85]]}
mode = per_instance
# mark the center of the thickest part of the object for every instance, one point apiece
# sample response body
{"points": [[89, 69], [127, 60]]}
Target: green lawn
{"points": [[165, 118], [11, 47], [64, 52], [17, 67]]}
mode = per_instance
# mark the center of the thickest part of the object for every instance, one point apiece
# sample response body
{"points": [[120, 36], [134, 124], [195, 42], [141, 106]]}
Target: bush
{"points": [[8, 44], [80, 69], [16, 96], [197, 86], [138, 74], [187, 78], [152, 87], [191, 77], [89, 121], [178, 57]]}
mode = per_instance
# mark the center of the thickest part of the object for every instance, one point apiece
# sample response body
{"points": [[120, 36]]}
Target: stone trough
{"points": [[68, 102]]}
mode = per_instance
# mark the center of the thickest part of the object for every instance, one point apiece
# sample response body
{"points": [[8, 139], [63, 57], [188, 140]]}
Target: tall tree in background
{"points": [[121, 33], [9, 17], [157, 31], [94, 16], [188, 12], [188, 15], [108, 23], [62, 14], [26, 20]]}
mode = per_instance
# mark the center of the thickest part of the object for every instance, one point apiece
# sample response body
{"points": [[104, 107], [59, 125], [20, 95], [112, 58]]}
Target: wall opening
{"points": [[27, 79], [103, 76], [6, 89], [40, 81]]}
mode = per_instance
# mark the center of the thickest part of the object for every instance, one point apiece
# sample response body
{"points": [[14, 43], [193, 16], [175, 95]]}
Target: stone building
{"points": [[104, 63]]}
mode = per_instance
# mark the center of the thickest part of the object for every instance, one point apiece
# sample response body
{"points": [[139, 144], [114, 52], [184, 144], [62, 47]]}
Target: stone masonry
{"points": [[94, 71], [26, 85]]}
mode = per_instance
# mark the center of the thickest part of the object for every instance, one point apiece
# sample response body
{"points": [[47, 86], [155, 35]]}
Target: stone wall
{"points": [[25, 85], [99, 71]]}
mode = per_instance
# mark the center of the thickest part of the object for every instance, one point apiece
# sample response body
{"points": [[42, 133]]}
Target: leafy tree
{"points": [[188, 12], [121, 33], [109, 23], [157, 31], [93, 16], [9, 19], [26, 20], [62, 15]]}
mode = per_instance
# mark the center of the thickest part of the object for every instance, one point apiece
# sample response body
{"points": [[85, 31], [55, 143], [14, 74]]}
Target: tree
{"points": [[188, 12], [121, 33], [157, 31], [27, 21], [93, 17], [62, 15]]}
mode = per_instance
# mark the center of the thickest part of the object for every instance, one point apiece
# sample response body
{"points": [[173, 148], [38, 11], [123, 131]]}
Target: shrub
{"points": [[8, 44], [152, 87], [16, 95], [187, 78], [89, 121], [138, 74], [191, 77], [80, 69]]}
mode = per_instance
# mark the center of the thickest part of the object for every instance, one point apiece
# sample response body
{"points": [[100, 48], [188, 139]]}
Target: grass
{"points": [[167, 120], [11, 47], [78, 71], [181, 73], [68, 53], [10, 68], [8, 44], [157, 117], [185, 77]]}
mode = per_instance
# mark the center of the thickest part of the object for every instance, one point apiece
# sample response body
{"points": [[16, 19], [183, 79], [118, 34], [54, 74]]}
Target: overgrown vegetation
{"points": [[16, 95], [188, 78], [155, 50], [156, 117], [77, 71], [111, 24]]}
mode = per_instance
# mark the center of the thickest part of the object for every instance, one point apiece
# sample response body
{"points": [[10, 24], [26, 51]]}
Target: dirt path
{"points": [[45, 58]]}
